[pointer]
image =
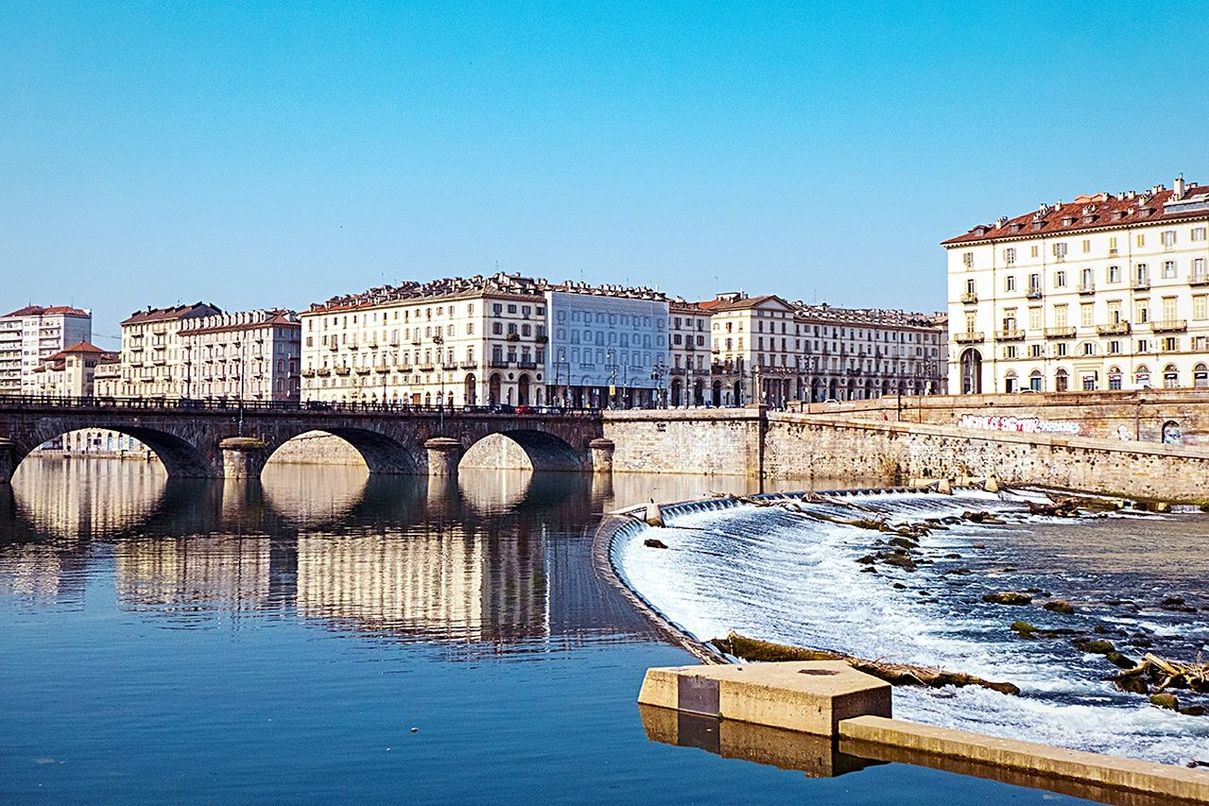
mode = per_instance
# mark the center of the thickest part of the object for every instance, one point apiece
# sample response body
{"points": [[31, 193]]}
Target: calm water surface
{"points": [[323, 636]]}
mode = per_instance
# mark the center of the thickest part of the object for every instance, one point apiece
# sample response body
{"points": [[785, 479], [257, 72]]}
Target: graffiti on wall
{"points": [[1019, 425]]}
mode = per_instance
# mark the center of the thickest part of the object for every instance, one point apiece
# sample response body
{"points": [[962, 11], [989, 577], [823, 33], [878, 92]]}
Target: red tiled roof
{"points": [[53, 310], [171, 314], [741, 303], [1094, 212], [82, 347]]}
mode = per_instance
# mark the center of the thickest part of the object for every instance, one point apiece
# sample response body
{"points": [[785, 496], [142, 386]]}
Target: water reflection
{"points": [[492, 561]]}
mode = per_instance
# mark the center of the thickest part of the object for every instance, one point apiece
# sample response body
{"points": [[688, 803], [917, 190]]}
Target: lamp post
{"points": [[239, 369], [612, 378], [657, 375]]}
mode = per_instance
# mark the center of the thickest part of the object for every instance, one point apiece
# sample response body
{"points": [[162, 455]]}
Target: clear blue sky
{"points": [[255, 154]]}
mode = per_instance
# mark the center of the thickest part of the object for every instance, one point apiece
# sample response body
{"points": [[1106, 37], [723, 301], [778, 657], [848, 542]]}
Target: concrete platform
{"points": [[804, 696], [1090, 775]]}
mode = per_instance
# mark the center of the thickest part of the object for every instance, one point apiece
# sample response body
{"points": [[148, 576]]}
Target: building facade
{"points": [[248, 355], [1105, 292], [451, 342], [689, 344], [863, 353], [756, 347], [152, 357], [31, 335], [71, 372], [609, 347]]}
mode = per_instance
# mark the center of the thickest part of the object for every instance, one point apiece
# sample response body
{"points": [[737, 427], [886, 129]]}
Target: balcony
{"points": [[342, 371], [362, 370], [381, 369], [333, 346], [323, 372], [470, 365], [426, 367], [1014, 334], [308, 373], [513, 337], [1169, 325], [448, 365], [541, 339], [1115, 329], [1033, 293], [1198, 279], [498, 363], [968, 338], [404, 367], [527, 364], [1087, 288], [675, 371], [1141, 284], [1060, 332], [969, 298]]}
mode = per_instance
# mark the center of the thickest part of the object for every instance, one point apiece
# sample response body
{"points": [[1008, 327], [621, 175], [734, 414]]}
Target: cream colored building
{"points": [[864, 353], [756, 344], [71, 371], [152, 364], [690, 337], [249, 355], [461, 342], [1110, 291]]}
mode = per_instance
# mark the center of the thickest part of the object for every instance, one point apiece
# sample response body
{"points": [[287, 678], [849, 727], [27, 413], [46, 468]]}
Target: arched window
{"points": [[1061, 381], [1171, 377], [1010, 383], [1200, 376], [1114, 377], [1141, 377], [1036, 381]]}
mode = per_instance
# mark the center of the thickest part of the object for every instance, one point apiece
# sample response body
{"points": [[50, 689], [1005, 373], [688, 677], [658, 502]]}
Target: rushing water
{"points": [[326, 637], [775, 573]]}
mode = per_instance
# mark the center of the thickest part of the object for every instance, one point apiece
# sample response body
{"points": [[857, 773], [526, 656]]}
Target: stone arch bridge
{"points": [[195, 439]]}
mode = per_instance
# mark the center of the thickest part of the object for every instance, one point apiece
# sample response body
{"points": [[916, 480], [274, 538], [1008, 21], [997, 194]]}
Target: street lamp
{"points": [[657, 375], [612, 377]]}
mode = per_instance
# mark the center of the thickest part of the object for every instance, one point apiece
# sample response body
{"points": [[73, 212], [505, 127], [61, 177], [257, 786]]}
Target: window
{"points": [[1198, 233], [1141, 311], [969, 290], [1035, 251], [1200, 306], [1034, 318], [1114, 274], [1009, 283], [1061, 381], [1198, 269], [1143, 346], [1114, 347], [1036, 351], [1062, 349], [1086, 313], [1112, 245], [1168, 238], [1168, 269], [967, 259], [1060, 316], [1059, 251], [1086, 246], [1141, 241], [511, 307], [1141, 377], [1090, 381], [1171, 344], [1114, 378], [1171, 377], [1060, 279], [1009, 351], [1087, 348], [1009, 255], [1035, 381]]}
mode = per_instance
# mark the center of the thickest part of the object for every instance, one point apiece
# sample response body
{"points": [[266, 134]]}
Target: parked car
{"points": [[502, 408]]}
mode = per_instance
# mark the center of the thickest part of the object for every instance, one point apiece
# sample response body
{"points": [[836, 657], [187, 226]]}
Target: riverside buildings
{"points": [[31, 335], [71, 372], [198, 352], [1109, 291]]}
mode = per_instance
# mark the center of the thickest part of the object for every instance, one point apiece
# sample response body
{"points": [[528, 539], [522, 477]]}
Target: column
{"points": [[601, 453], [243, 457], [444, 453]]}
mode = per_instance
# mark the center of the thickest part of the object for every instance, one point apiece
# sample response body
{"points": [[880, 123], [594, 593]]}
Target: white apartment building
{"points": [[689, 344], [1105, 292], [609, 346], [864, 353], [153, 358], [756, 345], [248, 355], [457, 342], [30, 335]]}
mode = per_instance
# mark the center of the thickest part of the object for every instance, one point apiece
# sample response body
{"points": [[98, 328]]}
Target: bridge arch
{"points": [[522, 448], [179, 457], [381, 453]]}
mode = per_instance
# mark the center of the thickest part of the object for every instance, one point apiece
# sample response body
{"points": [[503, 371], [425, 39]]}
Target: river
{"points": [[324, 636]]}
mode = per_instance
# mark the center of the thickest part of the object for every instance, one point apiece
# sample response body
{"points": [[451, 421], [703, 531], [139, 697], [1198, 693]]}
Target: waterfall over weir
{"points": [[768, 568]]}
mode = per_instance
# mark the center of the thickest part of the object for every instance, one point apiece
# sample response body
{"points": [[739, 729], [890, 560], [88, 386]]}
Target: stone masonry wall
{"points": [[708, 442], [1124, 416], [798, 446]]}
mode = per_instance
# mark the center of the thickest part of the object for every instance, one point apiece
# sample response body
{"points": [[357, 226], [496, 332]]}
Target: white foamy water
{"points": [[774, 574]]}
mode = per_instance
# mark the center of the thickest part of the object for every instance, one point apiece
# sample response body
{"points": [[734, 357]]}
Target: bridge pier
{"points": [[8, 463], [600, 450], [243, 457], [444, 453]]}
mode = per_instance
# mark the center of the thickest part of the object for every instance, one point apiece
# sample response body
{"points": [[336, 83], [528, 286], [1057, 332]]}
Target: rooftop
{"points": [[171, 314], [53, 310], [1100, 210]]}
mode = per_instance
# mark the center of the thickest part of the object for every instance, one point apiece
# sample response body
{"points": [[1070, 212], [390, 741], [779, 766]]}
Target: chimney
{"points": [[1178, 188]]}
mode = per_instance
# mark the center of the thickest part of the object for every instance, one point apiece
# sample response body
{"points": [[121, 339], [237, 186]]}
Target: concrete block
{"points": [[805, 696]]}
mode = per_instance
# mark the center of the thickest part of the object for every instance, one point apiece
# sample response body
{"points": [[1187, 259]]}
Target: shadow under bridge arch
{"points": [[381, 453], [523, 449]]}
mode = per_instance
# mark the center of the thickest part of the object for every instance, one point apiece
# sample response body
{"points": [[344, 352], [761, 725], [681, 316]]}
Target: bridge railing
{"points": [[229, 405]]}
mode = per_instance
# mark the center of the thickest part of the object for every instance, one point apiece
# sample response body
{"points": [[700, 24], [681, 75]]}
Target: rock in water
{"points": [[1008, 598], [654, 543], [1165, 701], [1061, 606]]}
